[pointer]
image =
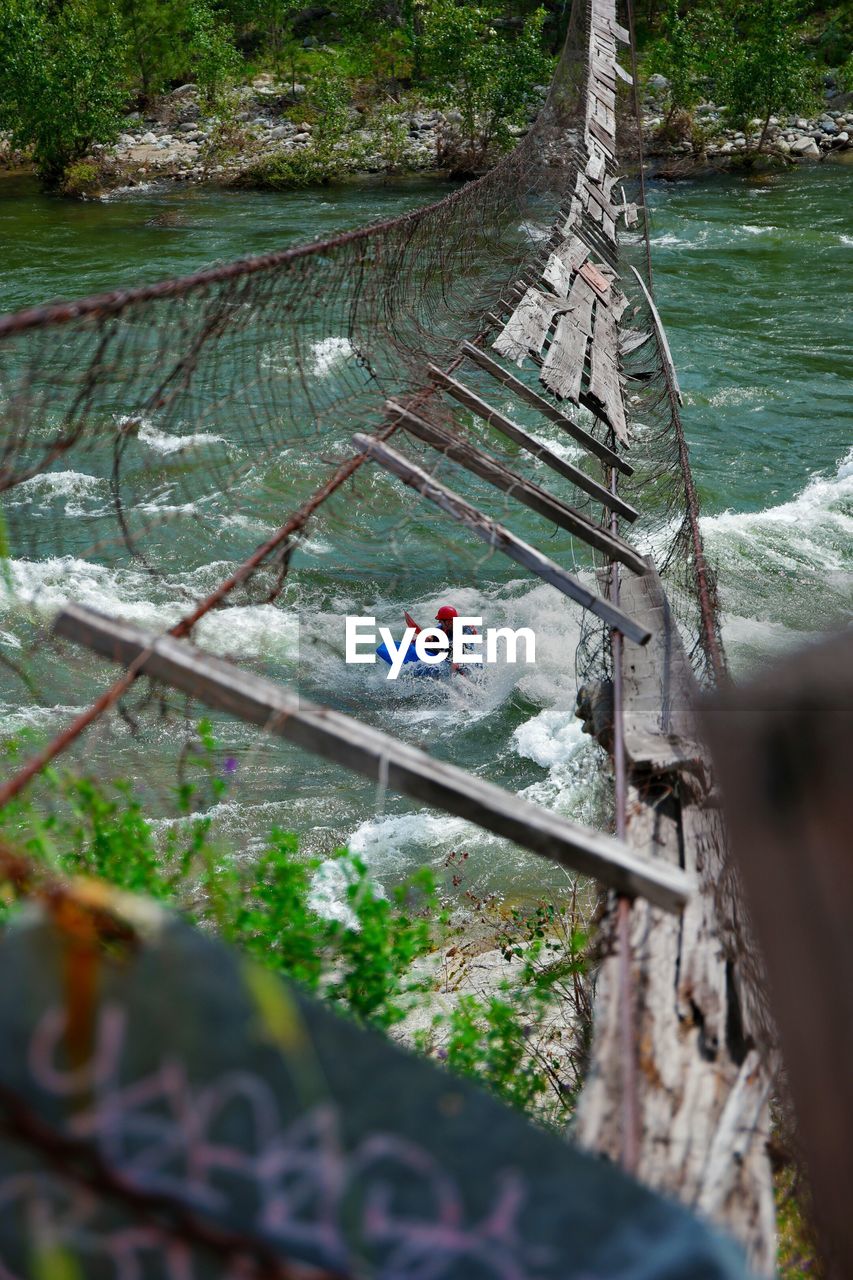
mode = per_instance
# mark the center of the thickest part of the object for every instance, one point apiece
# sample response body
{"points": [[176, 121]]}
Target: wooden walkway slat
{"points": [[658, 683], [497, 536], [525, 331], [522, 490], [376, 755], [521, 389]]}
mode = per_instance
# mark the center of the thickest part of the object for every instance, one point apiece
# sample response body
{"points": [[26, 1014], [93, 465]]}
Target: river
{"points": [[753, 279]]}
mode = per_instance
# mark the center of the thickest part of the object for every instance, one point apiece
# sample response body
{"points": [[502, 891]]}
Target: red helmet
{"points": [[445, 613]]}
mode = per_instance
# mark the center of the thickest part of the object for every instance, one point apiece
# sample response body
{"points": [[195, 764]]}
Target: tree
{"points": [[489, 72], [758, 60], [212, 53], [678, 56], [61, 79], [156, 47]]}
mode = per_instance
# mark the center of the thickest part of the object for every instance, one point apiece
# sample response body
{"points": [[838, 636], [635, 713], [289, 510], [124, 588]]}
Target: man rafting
{"points": [[445, 618]]}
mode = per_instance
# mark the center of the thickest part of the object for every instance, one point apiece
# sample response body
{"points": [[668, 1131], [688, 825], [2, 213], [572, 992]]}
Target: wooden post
{"points": [[783, 746], [368, 751], [495, 535]]}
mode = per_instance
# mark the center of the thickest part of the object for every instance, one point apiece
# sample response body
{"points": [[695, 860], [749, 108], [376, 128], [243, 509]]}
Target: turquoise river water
{"points": [[754, 282]]}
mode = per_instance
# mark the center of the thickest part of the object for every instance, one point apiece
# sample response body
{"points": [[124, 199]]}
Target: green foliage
{"points": [[285, 171], [757, 56], [61, 82], [81, 178], [155, 42], [485, 71], [678, 55], [213, 56], [361, 963]]}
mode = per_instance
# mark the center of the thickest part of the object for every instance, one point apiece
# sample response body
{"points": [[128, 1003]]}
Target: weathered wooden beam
{"points": [[524, 491], [513, 432], [368, 751], [496, 535], [601, 451]]}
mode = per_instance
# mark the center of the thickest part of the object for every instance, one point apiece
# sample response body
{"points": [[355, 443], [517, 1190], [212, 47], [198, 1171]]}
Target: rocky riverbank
{"points": [[704, 137], [269, 137]]}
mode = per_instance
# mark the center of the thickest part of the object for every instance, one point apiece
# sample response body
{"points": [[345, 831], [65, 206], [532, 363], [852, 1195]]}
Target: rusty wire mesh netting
{"points": [[156, 440]]}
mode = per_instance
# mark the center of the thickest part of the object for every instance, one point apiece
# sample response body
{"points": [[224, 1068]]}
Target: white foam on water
{"points": [[814, 530], [77, 488], [847, 240], [44, 586], [165, 443], [329, 352]]}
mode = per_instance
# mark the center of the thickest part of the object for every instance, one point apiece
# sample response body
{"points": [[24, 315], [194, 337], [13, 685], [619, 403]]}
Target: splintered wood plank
{"points": [[623, 74], [596, 280], [573, 217], [595, 166], [564, 262], [604, 114], [562, 368], [620, 32], [603, 93], [597, 194], [488, 468], [525, 331], [370, 752], [602, 137], [465, 396], [631, 339], [550, 411], [631, 214], [606, 392], [497, 536]]}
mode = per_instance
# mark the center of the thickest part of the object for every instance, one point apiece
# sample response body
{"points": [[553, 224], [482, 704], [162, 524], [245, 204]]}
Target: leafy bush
{"points": [[61, 79], [361, 957], [211, 49], [483, 70], [286, 170]]}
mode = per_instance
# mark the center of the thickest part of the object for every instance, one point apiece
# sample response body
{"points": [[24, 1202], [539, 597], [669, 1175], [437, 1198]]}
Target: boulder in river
{"points": [[806, 148]]}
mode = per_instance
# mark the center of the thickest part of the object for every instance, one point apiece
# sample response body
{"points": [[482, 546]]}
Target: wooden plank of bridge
{"points": [[623, 74], [659, 688], [376, 755], [550, 411], [604, 385], [563, 261], [507, 427], [563, 366], [602, 137], [528, 326], [495, 535], [508, 481]]}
